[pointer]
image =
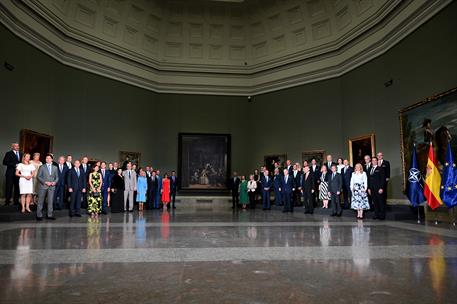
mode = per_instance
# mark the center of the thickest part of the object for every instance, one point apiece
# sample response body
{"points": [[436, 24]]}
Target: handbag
{"points": [[96, 194]]}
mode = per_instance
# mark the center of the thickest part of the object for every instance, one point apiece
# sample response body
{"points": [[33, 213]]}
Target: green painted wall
{"points": [[93, 115]]}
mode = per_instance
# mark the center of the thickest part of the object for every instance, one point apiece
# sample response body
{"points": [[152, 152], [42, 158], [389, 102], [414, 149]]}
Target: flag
{"points": [[414, 187], [432, 181], [449, 180]]}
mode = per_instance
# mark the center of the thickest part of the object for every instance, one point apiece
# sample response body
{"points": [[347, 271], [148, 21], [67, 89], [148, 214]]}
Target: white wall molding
{"points": [[330, 55]]}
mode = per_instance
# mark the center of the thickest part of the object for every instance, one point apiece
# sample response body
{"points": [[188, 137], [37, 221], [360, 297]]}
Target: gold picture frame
{"points": [[360, 146], [319, 155]]}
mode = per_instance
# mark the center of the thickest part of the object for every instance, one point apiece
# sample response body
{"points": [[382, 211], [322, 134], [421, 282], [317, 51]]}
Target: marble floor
{"points": [[209, 254]]}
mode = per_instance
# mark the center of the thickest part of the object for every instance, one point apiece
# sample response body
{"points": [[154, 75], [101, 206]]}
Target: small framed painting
{"points": [[361, 146]]}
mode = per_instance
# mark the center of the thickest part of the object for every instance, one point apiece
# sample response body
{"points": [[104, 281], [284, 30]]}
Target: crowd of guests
{"points": [[334, 185], [79, 185]]}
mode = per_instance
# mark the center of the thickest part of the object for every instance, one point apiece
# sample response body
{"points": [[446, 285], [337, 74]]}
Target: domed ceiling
{"points": [[235, 47]]}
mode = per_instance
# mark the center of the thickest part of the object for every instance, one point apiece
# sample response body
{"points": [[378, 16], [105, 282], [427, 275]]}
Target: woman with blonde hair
{"points": [[37, 164], [25, 171], [323, 186], [359, 187]]}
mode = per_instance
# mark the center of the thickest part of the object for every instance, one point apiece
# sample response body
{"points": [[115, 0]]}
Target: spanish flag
{"points": [[432, 181]]}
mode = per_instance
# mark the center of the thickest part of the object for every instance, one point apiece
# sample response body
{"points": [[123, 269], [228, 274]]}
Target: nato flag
{"points": [[414, 186], [449, 180]]}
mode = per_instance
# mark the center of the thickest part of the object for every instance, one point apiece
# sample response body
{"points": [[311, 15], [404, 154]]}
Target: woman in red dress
{"points": [[165, 191]]}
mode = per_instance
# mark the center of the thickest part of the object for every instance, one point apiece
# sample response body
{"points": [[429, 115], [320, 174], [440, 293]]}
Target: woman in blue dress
{"points": [[142, 187]]}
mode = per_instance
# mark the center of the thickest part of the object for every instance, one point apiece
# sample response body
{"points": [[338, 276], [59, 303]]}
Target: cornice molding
{"points": [[389, 26]]}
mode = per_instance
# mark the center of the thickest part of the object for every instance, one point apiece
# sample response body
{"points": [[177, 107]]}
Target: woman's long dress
{"points": [[165, 191], [142, 187], [117, 194], [244, 197], [94, 202], [323, 187]]}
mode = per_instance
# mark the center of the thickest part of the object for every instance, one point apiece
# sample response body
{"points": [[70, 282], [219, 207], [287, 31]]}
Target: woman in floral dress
{"points": [[94, 199]]}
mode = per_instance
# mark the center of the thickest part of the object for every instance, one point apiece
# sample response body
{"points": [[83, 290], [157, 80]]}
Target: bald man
{"points": [[11, 159]]}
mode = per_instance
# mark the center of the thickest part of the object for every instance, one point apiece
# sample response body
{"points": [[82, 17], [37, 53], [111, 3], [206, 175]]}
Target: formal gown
{"points": [[37, 166], [244, 197], [165, 191], [117, 194], [94, 199], [359, 188], [142, 187], [25, 186]]}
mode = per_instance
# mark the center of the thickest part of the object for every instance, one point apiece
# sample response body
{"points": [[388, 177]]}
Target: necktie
{"points": [[333, 175], [372, 171], [49, 169], [380, 163], [17, 155], [77, 171], [60, 167], [84, 167], [130, 174], [103, 173]]}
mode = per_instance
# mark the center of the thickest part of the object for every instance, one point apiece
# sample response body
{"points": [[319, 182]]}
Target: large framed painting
{"points": [[361, 146], [318, 155], [270, 160], [128, 156], [204, 161], [32, 142], [431, 120]]}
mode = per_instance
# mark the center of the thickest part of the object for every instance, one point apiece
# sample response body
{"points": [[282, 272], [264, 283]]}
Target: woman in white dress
{"points": [[37, 164], [340, 165], [25, 171], [359, 186]]}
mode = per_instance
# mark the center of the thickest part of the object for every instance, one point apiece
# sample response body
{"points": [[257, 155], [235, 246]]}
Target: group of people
{"points": [[80, 185], [337, 185]]}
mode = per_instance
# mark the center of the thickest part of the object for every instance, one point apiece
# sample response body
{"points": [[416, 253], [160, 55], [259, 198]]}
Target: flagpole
{"points": [[418, 215]]}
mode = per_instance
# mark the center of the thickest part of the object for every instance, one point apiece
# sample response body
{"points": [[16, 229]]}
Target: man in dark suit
{"points": [[277, 183], [289, 167], [376, 189], [329, 162], [233, 185], [153, 190], [106, 185], [385, 165], [62, 171], [76, 181], [85, 167], [335, 185], [159, 188], [287, 190], [307, 188], [266, 181], [11, 159], [296, 174], [315, 170], [346, 173], [149, 199], [367, 168], [173, 188]]}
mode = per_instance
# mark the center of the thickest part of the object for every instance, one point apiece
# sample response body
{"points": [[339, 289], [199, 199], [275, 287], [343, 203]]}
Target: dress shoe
{"points": [[285, 211], [51, 218], [174, 207], [131, 210], [104, 212], [78, 215], [333, 214], [39, 219], [375, 217], [58, 208], [339, 214]]}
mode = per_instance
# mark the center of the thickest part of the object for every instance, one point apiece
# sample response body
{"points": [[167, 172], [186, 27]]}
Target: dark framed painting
{"points": [[361, 146], [32, 142], [270, 160], [431, 120], [204, 161], [128, 156], [313, 154]]}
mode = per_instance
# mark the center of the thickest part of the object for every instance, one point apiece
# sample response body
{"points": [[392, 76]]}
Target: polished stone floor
{"points": [[209, 254]]}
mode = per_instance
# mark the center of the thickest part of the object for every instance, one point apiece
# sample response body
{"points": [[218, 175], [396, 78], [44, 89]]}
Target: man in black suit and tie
{"points": [[11, 159], [106, 186], [76, 181], [296, 174], [385, 165], [148, 171], [330, 162], [153, 190], [287, 190], [233, 185], [266, 181], [277, 183], [334, 188], [85, 167], [307, 188], [346, 173], [367, 165], [173, 188], [62, 171], [315, 170], [289, 167], [376, 189]]}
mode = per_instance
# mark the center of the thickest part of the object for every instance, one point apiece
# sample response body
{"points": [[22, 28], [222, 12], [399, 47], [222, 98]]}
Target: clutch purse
{"points": [[96, 194]]}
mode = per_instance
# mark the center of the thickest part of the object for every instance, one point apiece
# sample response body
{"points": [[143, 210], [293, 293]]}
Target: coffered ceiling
{"points": [[216, 46]]}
